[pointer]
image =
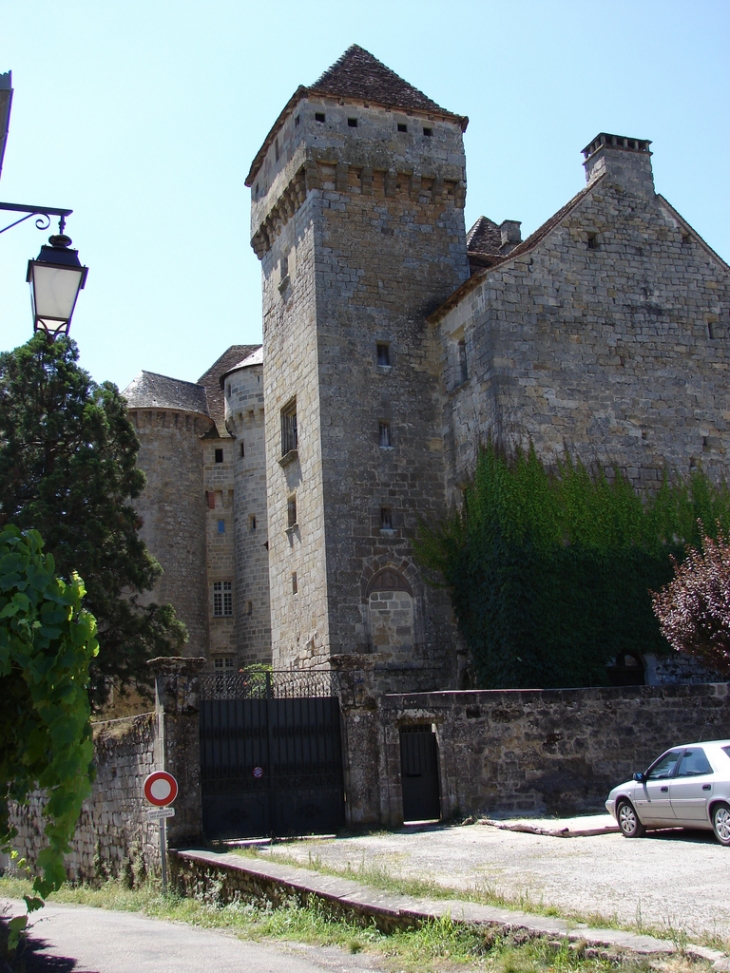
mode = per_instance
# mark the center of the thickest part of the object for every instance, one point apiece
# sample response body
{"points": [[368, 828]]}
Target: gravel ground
{"points": [[672, 880]]}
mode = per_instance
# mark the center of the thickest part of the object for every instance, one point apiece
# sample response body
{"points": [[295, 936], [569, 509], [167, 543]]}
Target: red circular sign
{"points": [[160, 788]]}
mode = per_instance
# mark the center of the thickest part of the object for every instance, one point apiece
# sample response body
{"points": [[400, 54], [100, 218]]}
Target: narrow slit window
{"points": [[219, 455], [296, 121], [592, 241], [291, 512], [385, 440], [252, 523], [294, 586], [463, 363], [386, 518], [243, 449], [383, 352], [289, 435], [710, 329], [221, 526]]}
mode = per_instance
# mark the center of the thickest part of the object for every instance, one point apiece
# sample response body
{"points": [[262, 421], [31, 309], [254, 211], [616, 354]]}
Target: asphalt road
{"points": [[78, 939], [671, 880]]}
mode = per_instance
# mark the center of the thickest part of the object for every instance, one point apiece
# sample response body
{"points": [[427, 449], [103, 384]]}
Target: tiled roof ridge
{"points": [[168, 378], [529, 244], [341, 82]]}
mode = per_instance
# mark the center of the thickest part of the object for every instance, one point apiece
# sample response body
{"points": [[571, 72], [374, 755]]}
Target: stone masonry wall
{"points": [[218, 478], [521, 752], [173, 513], [360, 231], [611, 336], [114, 836], [245, 421]]}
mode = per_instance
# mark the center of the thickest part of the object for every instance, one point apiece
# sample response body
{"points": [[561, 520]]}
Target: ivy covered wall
{"points": [[550, 570]]}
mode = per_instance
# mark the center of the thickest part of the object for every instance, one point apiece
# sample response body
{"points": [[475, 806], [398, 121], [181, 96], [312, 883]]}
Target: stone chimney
{"points": [[510, 234], [626, 162]]}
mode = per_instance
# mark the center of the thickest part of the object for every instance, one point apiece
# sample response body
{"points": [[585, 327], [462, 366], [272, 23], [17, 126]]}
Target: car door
{"points": [[691, 788], [651, 797]]}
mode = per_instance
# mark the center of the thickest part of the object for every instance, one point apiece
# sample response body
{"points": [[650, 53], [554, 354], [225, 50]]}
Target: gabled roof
{"points": [[152, 391], [529, 244], [358, 76], [211, 380]]}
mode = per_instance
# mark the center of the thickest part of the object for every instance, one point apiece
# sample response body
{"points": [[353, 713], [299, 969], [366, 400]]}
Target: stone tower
{"points": [[357, 217], [170, 417], [244, 399]]}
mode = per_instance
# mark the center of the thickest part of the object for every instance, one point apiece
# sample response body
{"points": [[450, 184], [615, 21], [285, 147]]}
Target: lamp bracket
{"points": [[43, 214]]}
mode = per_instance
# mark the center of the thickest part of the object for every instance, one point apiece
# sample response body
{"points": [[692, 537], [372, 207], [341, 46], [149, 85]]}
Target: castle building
{"points": [[285, 488]]}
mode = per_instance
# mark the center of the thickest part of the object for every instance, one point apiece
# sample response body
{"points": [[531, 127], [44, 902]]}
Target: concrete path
{"points": [[79, 939], [672, 880], [357, 899]]}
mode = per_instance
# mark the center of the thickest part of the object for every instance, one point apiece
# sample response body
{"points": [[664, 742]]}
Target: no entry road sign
{"points": [[160, 788]]}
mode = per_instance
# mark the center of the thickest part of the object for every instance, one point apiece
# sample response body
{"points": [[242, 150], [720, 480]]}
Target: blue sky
{"points": [[143, 117]]}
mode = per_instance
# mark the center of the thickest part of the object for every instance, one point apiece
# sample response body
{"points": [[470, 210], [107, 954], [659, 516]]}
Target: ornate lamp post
{"points": [[56, 275]]}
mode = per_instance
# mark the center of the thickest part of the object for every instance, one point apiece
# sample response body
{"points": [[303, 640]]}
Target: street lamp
{"points": [[56, 275]]}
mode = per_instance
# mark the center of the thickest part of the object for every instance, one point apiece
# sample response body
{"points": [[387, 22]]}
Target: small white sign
{"points": [[161, 812]]}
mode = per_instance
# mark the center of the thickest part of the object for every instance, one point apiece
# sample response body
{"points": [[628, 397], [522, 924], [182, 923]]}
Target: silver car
{"points": [[687, 787]]}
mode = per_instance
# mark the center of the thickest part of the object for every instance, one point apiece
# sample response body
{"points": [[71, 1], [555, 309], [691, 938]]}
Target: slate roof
{"points": [[152, 391], [255, 358], [358, 76], [484, 244], [211, 380]]}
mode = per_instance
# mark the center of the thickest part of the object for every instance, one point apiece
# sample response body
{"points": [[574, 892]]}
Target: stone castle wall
{"points": [[609, 337], [113, 836], [337, 211], [245, 420], [173, 513]]}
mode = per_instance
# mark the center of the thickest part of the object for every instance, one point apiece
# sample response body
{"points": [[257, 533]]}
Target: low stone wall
{"points": [[113, 835], [516, 752]]}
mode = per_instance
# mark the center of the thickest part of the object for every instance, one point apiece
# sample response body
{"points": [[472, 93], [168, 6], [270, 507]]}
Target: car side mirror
{"points": [[640, 777]]}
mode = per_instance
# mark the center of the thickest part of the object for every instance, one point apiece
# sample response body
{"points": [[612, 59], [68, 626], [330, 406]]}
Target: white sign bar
{"points": [[161, 812]]}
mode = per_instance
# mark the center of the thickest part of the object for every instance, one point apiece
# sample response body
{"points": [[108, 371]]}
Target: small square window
{"points": [[386, 518], [428, 132], [592, 241], [383, 352], [352, 122], [291, 512], [319, 116], [221, 526], [402, 127], [219, 455], [384, 440]]}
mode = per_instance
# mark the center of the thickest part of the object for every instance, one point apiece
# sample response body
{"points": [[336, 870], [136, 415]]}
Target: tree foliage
{"points": [[549, 571], [694, 607], [47, 643], [67, 469]]}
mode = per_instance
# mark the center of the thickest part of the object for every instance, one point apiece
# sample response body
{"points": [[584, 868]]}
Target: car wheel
{"points": [[721, 823], [628, 821]]}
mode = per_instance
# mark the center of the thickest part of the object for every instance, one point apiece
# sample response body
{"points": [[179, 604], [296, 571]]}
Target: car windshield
{"points": [[665, 766]]}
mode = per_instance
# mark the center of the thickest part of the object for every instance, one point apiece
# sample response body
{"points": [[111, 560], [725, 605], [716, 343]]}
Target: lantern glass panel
{"points": [[53, 292]]}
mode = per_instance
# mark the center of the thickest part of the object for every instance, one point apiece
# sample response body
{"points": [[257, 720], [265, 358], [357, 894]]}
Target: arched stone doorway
{"points": [[391, 615]]}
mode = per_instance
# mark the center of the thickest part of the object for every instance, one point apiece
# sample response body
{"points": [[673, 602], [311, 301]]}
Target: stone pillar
{"points": [[365, 786], [177, 750]]}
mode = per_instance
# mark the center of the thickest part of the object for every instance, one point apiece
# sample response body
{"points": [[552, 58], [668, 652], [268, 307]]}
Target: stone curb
{"points": [[395, 910]]}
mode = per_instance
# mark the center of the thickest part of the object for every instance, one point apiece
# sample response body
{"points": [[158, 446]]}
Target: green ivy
{"points": [[47, 641], [549, 571]]}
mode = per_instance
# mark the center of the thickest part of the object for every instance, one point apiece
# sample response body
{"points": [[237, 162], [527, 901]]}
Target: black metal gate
{"points": [[270, 755], [419, 770]]}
